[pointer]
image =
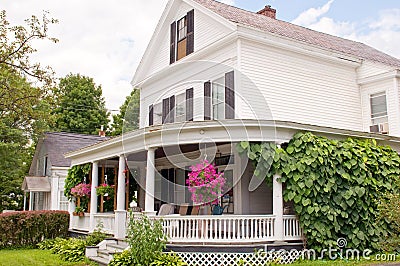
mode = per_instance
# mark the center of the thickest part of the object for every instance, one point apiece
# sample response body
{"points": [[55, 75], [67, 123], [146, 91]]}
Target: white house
{"points": [[44, 187], [214, 75]]}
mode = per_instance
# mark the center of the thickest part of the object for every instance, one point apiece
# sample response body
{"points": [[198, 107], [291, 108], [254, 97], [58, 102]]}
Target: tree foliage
{"points": [[128, 117], [335, 186], [25, 101], [80, 105]]}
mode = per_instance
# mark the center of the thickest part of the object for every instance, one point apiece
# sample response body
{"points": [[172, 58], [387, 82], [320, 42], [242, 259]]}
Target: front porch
{"points": [[259, 216]]}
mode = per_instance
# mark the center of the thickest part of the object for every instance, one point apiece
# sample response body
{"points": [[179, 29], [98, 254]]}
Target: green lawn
{"points": [[32, 257]]}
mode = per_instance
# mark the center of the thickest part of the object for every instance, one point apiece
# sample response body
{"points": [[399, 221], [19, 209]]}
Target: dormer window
{"points": [[182, 37]]}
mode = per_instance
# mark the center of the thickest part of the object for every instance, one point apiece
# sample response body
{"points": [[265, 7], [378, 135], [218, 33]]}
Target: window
{"points": [[182, 29], [218, 99], [180, 109], [182, 37], [63, 202], [157, 114], [378, 108]]}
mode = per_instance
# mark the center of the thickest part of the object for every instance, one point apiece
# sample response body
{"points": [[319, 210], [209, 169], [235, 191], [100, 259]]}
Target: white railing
{"points": [[218, 228], [291, 228]]}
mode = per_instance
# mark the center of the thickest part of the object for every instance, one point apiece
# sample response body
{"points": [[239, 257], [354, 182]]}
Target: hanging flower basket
{"points": [[105, 190], [81, 190], [205, 183]]}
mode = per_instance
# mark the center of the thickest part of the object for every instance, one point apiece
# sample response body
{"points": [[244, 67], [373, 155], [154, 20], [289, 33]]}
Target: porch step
{"points": [[104, 251]]}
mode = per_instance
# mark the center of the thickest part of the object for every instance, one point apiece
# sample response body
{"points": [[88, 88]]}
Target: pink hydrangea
{"points": [[81, 190], [205, 183]]}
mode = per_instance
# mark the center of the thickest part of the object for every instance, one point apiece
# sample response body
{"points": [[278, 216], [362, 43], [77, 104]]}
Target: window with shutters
{"points": [[219, 98], [182, 37], [379, 112]]}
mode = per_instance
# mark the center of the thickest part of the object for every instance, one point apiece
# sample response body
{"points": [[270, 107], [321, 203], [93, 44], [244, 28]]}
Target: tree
{"points": [[128, 117], [25, 101], [80, 105]]}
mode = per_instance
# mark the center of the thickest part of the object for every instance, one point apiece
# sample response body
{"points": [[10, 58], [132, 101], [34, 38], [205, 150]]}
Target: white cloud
{"points": [[383, 33], [311, 15], [104, 40]]}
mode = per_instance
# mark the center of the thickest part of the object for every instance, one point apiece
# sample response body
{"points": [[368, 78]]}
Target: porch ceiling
{"points": [[224, 131]]}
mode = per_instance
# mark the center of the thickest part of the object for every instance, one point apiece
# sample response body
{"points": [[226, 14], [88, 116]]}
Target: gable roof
{"points": [[298, 33], [59, 143]]}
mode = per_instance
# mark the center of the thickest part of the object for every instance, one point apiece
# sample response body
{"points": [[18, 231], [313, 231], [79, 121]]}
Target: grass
{"points": [[33, 257]]}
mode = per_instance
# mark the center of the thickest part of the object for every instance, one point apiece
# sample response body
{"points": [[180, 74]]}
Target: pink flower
{"points": [[205, 183], [81, 190]]}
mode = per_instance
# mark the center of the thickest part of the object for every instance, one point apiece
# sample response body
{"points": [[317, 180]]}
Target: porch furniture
{"points": [[166, 209]]}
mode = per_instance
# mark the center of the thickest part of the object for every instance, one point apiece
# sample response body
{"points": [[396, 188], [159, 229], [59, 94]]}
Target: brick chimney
{"points": [[268, 11]]}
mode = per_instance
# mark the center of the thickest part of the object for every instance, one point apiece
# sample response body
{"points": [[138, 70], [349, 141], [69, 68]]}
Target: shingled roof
{"points": [[59, 143], [298, 33]]}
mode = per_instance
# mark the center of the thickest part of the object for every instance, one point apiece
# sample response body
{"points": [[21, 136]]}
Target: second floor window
{"points": [[218, 99], [379, 112], [182, 37]]}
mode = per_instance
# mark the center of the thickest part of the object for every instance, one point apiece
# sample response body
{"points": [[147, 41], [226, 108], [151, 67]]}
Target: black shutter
{"points": [[151, 113], [230, 95], [207, 100], [171, 116], [172, 44], [190, 32], [165, 110], [189, 104]]}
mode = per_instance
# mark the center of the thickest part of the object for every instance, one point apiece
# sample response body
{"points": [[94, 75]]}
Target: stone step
{"points": [[105, 253], [101, 261]]}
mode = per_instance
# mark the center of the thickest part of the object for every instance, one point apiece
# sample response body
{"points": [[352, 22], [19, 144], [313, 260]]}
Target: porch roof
{"points": [[212, 132], [36, 184]]}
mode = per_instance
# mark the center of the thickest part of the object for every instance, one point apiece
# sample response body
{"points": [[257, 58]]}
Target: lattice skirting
{"points": [[232, 259]]}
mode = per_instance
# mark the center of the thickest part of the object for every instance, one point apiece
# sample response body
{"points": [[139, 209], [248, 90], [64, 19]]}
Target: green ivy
{"points": [[75, 176], [335, 185]]}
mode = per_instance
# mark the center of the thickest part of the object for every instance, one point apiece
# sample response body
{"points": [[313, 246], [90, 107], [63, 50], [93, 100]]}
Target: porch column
{"points": [[93, 195], [150, 182], [30, 200], [24, 201], [277, 201], [120, 213]]}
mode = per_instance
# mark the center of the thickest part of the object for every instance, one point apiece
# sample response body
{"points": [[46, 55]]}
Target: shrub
{"points": [[72, 249], [168, 259], [389, 209], [22, 229], [122, 259], [146, 239]]}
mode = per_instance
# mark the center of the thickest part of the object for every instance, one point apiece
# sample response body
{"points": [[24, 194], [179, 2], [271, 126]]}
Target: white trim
{"points": [[393, 74]]}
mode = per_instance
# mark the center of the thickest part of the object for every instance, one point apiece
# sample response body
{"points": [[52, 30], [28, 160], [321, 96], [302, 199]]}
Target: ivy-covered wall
{"points": [[335, 185]]}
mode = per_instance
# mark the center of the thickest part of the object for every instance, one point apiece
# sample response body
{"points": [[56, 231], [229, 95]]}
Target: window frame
{"points": [[180, 104], [378, 117], [218, 102]]}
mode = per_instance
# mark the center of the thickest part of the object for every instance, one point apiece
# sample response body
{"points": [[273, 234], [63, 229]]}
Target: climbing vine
{"points": [[335, 185], [76, 175]]}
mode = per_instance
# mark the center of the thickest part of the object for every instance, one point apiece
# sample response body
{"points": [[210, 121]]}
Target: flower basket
{"points": [[105, 190], [79, 211], [205, 184], [81, 190]]}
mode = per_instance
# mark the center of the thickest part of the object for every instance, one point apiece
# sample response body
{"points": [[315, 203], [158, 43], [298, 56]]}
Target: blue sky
{"points": [[105, 40]]}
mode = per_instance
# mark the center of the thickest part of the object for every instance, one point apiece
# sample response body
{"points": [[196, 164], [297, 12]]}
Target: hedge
{"points": [[28, 228]]}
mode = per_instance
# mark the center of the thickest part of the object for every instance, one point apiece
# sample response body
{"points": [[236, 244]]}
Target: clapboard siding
{"points": [[193, 75], [368, 69], [299, 88], [206, 32]]}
